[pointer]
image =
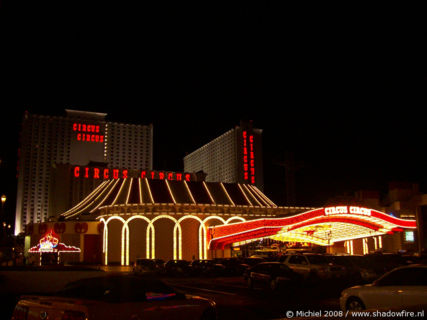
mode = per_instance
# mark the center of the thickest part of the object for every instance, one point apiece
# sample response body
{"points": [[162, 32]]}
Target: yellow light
{"points": [[170, 191], [226, 193], [209, 194]]}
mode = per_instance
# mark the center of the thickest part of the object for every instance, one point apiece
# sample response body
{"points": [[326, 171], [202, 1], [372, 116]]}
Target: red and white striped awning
{"points": [[323, 226]]}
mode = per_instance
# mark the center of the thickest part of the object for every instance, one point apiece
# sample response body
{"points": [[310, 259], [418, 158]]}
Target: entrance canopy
{"points": [[323, 226]]}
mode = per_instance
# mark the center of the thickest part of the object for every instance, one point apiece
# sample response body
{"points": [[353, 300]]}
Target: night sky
{"points": [[342, 92]]}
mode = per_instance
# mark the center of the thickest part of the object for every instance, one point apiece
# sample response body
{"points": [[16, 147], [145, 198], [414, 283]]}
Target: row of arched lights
{"points": [[150, 235]]}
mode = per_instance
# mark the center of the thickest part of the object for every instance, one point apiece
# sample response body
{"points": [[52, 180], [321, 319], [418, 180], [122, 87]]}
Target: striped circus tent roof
{"points": [[149, 192]]}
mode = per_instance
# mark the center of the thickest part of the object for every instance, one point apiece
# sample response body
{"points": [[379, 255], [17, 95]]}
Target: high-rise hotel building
{"points": [[50, 143], [234, 157]]}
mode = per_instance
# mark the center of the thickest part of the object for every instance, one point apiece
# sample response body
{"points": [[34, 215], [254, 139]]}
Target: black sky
{"points": [[340, 88]]}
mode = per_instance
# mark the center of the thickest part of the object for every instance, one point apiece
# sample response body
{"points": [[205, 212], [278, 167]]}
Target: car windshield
{"points": [[118, 289]]}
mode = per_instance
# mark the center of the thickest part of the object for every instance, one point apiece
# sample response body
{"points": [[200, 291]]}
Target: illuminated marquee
{"points": [[347, 210], [323, 225], [88, 132], [107, 173], [248, 157]]}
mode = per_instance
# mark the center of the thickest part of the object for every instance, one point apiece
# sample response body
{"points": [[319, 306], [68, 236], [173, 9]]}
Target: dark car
{"points": [[148, 266], [274, 275], [357, 270], [177, 268], [209, 268], [115, 297], [144, 266], [233, 266]]}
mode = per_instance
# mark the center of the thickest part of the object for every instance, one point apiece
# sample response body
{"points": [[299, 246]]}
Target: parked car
{"points": [[206, 268], [357, 268], [144, 266], [232, 266], [177, 268], [115, 297], [252, 261], [401, 287], [314, 267], [274, 275]]}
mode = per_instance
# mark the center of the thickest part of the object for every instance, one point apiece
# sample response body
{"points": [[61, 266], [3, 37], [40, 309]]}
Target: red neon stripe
{"points": [[394, 220]]}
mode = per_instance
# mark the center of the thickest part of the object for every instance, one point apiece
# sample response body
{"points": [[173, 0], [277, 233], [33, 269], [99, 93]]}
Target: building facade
{"points": [[234, 157], [79, 138], [164, 218]]}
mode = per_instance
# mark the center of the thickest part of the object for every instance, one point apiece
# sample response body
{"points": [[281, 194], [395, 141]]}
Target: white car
{"points": [[115, 297], [401, 287]]}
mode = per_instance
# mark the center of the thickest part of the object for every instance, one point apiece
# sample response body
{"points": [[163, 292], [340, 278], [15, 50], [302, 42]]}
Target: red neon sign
{"points": [[248, 157], [107, 173], [88, 132]]}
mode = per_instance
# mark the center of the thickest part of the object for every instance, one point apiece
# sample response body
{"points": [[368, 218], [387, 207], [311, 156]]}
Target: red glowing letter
{"points": [[95, 173], [125, 174], [106, 173], [76, 172], [143, 174]]}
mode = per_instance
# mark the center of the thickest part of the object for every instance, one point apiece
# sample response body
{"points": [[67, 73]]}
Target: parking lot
{"points": [[225, 281]]}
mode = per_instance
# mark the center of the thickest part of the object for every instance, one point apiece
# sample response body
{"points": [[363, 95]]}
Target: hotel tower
{"points": [[80, 138]]}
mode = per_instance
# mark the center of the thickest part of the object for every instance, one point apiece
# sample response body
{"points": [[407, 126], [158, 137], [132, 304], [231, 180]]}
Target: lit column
{"points": [[105, 244], [365, 246]]}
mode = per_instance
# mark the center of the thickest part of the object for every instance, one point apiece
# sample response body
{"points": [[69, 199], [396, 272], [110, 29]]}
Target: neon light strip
{"points": [[244, 194], [403, 223], [226, 193], [105, 198], [256, 195], [105, 189], [149, 192], [271, 203], [140, 193], [106, 244], [122, 253], [87, 199], [170, 191], [207, 190], [243, 232], [129, 190], [118, 193], [253, 197], [189, 192]]}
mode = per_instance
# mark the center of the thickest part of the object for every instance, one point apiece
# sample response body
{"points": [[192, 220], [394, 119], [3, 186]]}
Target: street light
{"points": [[3, 199]]}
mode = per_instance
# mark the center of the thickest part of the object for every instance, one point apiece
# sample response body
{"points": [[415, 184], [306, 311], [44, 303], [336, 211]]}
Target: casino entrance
{"points": [[339, 230]]}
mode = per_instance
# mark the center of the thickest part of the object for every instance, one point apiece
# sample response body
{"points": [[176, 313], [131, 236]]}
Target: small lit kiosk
{"points": [[50, 249]]}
